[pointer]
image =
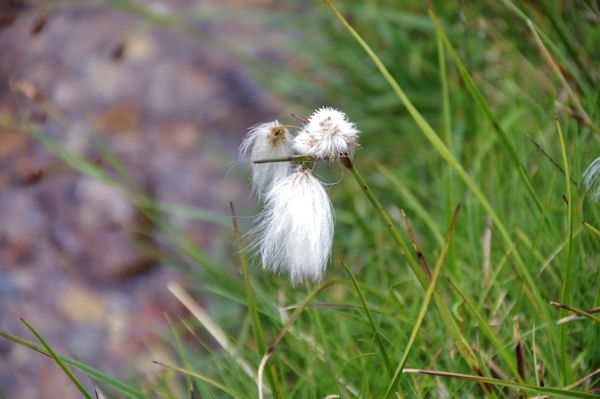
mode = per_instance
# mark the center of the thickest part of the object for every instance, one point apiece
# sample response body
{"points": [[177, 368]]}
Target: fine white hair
{"points": [[295, 231], [263, 141], [327, 135], [591, 179]]}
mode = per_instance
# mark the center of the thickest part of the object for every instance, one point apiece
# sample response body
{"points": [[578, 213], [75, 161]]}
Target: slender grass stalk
{"points": [[424, 306], [181, 351], [487, 111], [256, 326], [447, 131], [489, 332], [97, 375], [459, 340], [202, 377], [413, 202], [282, 332], [59, 361], [386, 359], [565, 61], [441, 148], [551, 392], [591, 228], [565, 296], [576, 311]]}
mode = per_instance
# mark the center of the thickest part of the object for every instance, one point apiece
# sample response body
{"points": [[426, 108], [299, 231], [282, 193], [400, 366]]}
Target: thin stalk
{"points": [[424, 306], [447, 131], [459, 340], [386, 359], [283, 331], [483, 105], [565, 296], [441, 148], [59, 361], [576, 311]]}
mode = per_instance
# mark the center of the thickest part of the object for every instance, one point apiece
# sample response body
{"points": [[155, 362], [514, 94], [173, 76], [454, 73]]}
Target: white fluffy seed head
{"points": [[591, 179], [266, 140], [327, 135], [296, 227]]}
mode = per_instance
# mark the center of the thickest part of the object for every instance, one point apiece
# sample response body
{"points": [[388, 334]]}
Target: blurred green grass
{"points": [[331, 347]]}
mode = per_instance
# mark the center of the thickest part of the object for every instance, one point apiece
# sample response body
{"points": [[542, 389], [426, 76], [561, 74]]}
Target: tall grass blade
{"points": [[202, 377], [488, 332], [58, 361], [448, 157], [386, 359], [459, 340], [256, 326], [424, 306], [552, 392], [565, 296], [485, 108]]}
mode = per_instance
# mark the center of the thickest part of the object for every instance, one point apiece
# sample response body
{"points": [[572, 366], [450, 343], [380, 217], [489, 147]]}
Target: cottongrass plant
{"points": [[327, 135], [295, 230], [591, 179], [266, 140]]}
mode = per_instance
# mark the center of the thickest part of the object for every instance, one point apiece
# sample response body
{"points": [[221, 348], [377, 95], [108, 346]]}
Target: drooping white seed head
{"points": [[327, 135], [263, 141], [591, 179], [295, 232]]}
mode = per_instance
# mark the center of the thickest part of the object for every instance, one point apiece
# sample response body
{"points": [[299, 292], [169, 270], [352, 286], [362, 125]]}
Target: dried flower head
{"points": [[591, 179], [296, 227], [327, 135], [266, 140]]}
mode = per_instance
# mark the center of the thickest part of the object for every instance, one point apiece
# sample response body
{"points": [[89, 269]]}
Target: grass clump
{"points": [[446, 96]]}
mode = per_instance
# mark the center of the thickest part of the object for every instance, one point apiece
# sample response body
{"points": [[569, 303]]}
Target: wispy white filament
{"points": [[327, 135], [263, 141], [591, 179], [296, 227]]}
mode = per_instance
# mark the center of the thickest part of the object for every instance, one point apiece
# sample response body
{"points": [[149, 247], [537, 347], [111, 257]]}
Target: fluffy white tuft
{"points": [[296, 227], [327, 135], [591, 179], [266, 140]]}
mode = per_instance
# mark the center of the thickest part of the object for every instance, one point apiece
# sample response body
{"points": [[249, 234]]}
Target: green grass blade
{"points": [[92, 372], [485, 108], [58, 360], [447, 130], [488, 332], [386, 359], [552, 392], [565, 296], [413, 202], [576, 311], [204, 378], [441, 148], [459, 340], [256, 326], [424, 306]]}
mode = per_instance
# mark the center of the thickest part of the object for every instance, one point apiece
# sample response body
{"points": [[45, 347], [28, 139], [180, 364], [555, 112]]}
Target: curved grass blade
{"points": [[553, 392], [202, 377], [257, 330], [565, 296], [386, 359], [582, 313], [59, 361], [450, 324], [90, 371], [441, 148], [485, 108], [424, 306]]}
